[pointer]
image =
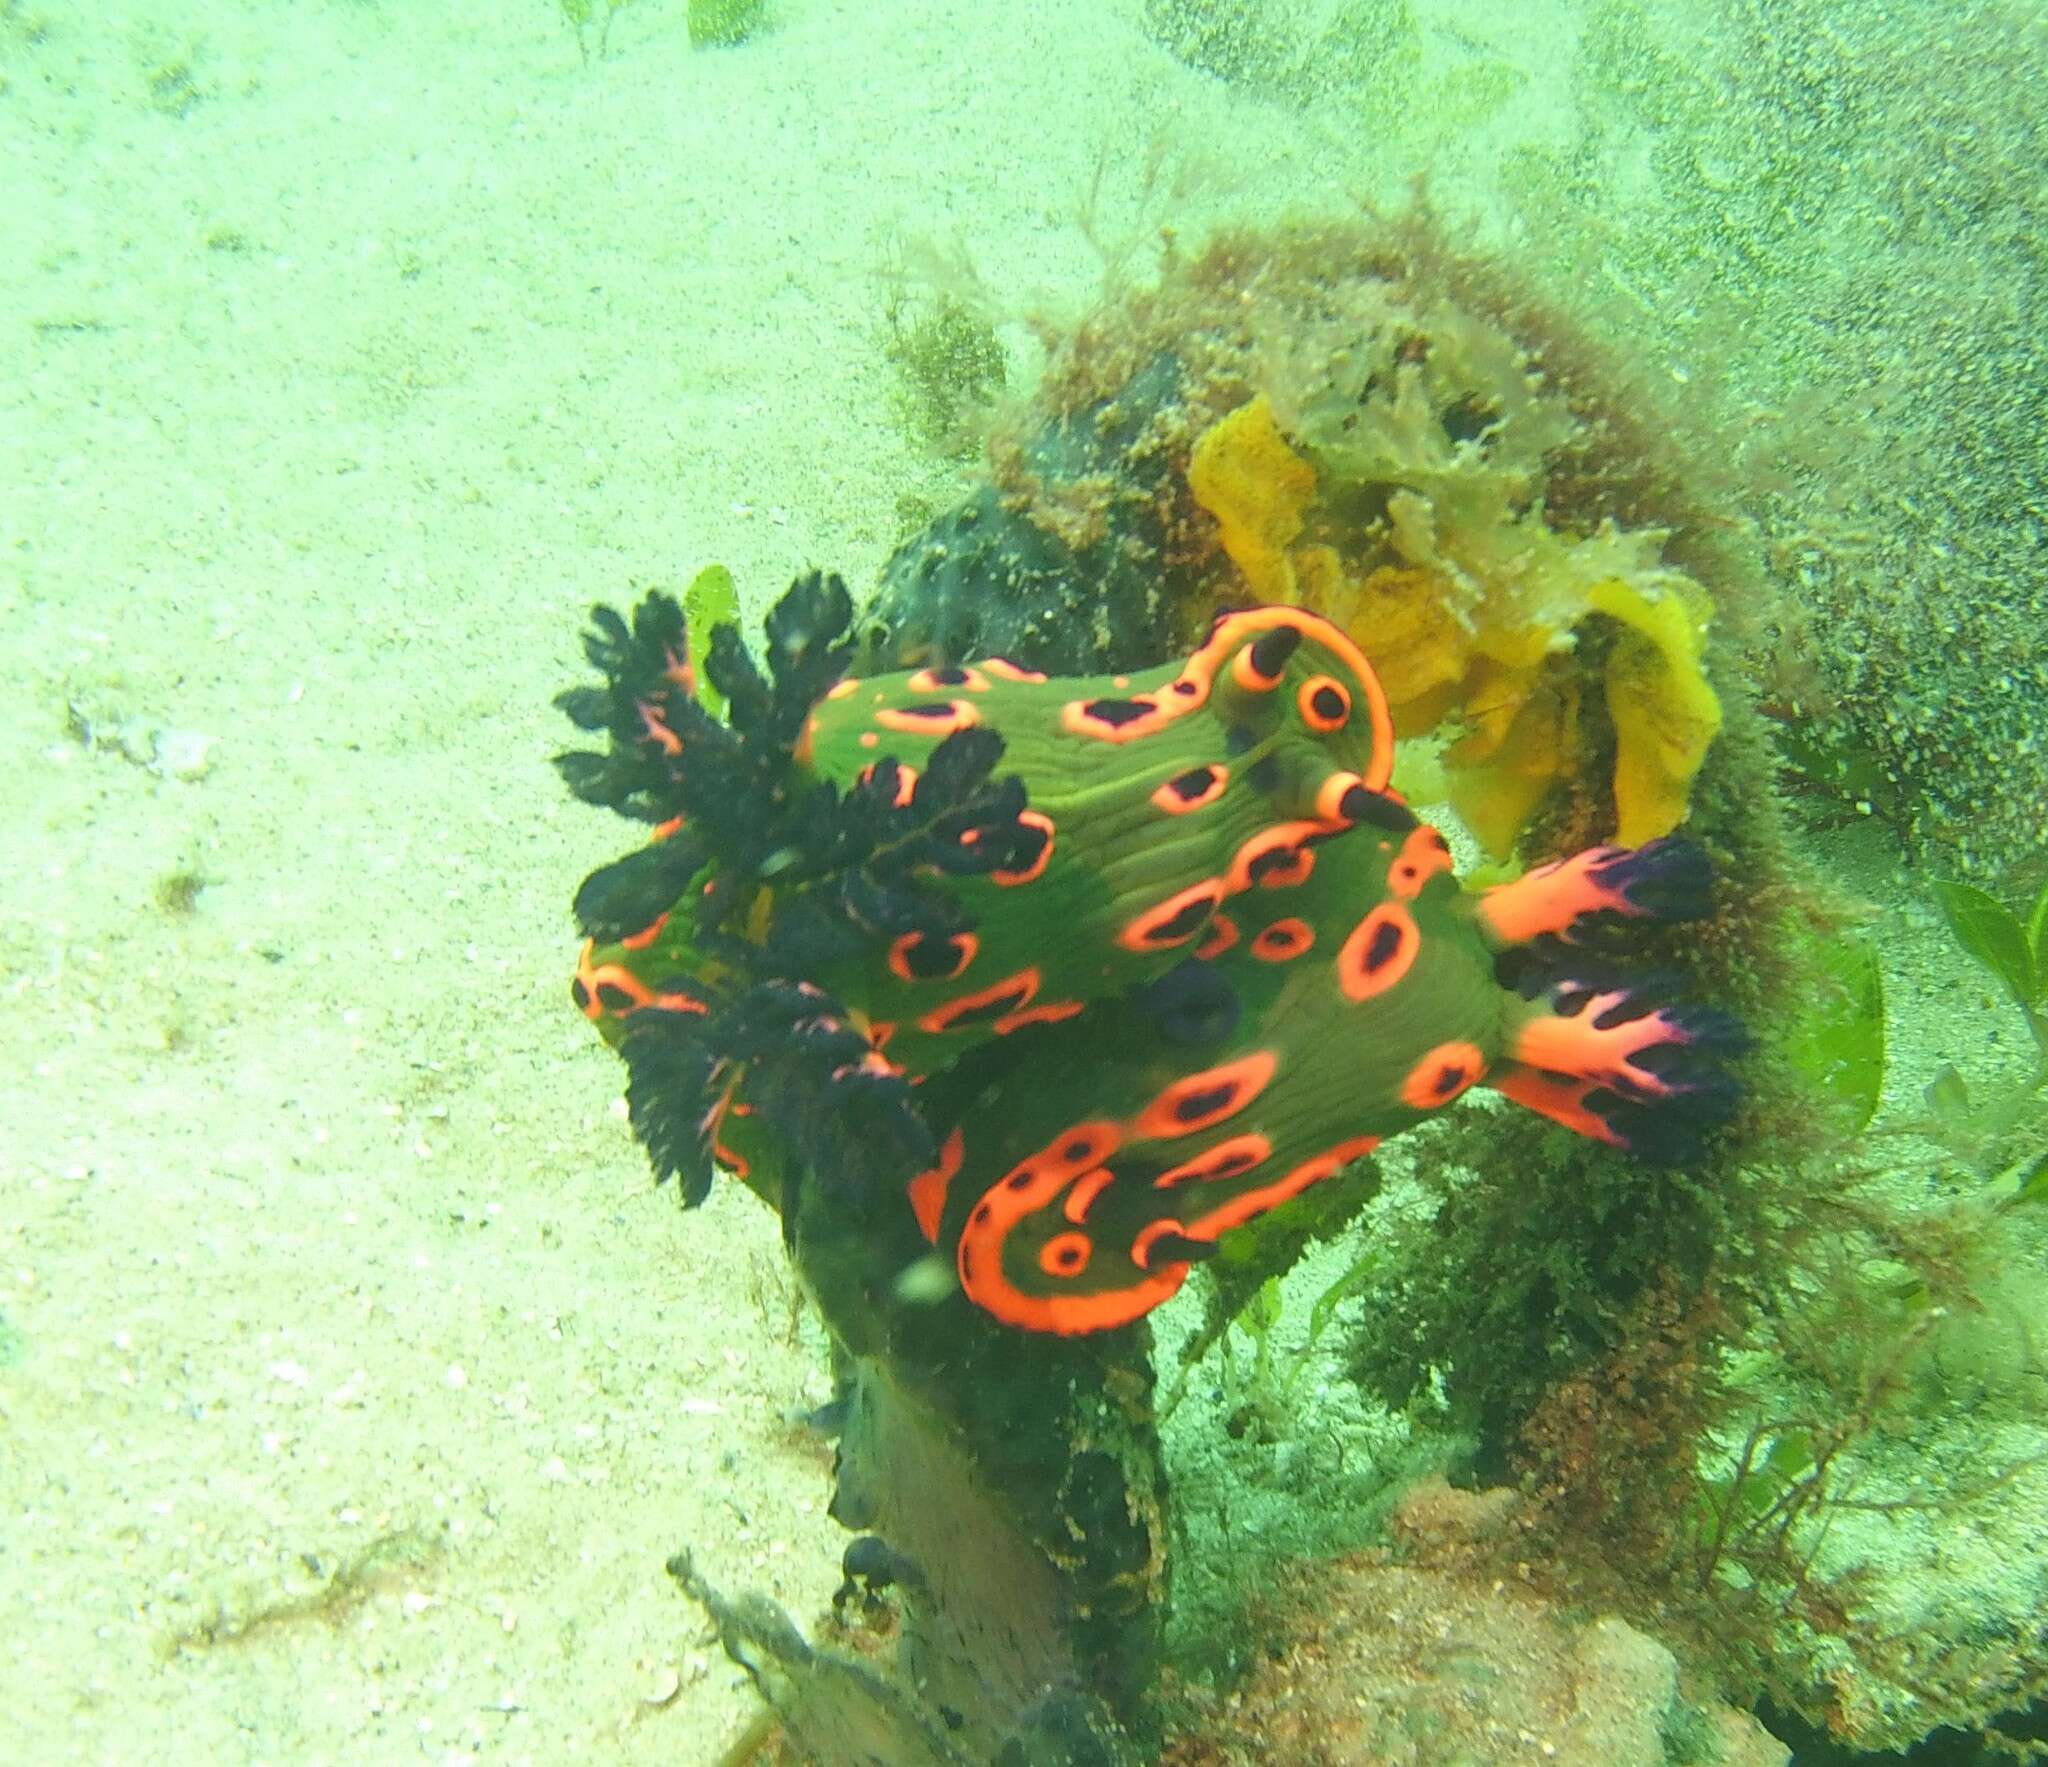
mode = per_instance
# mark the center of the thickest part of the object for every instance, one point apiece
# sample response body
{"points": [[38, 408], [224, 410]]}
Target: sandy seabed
{"points": [[355, 1383]]}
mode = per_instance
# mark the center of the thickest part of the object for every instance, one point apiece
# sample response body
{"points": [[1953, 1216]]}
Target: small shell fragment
{"points": [[183, 754]]}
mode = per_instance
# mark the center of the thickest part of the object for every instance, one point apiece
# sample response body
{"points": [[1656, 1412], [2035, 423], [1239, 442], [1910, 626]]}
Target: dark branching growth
{"points": [[841, 1113], [671, 1097], [745, 821], [645, 706], [863, 856], [618, 899], [648, 682], [648, 705], [1667, 880], [840, 863], [669, 758]]}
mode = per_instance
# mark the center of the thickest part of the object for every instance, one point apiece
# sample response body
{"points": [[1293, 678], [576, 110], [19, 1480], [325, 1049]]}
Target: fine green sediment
{"points": [[1837, 226]]}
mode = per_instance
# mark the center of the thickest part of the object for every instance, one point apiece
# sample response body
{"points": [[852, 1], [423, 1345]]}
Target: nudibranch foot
{"points": [[1665, 880]]}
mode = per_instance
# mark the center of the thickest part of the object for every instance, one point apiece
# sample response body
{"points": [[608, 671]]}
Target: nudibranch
{"points": [[1131, 809], [1185, 957]]}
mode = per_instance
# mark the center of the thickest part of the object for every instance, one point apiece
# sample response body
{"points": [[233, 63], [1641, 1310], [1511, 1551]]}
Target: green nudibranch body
{"points": [[1142, 817], [1188, 956]]}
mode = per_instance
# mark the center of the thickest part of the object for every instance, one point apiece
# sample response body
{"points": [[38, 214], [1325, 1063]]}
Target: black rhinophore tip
{"points": [[1270, 651]]}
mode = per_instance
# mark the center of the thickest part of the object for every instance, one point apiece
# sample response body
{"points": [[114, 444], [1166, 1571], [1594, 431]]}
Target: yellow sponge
{"points": [[1245, 475], [1665, 715], [1468, 604]]}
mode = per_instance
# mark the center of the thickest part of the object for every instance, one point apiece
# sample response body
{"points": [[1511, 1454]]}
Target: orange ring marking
{"points": [[1012, 991], [1051, 1013], [1160, 927], [1104, 717], [1291, 838], [1324, 703], [1191, 790], [1009, 880], [1423, 854], [1201, 1100], [1240, 1209], [966, 948], [1230, 1158], [1441, 1075], [1004, 670], [1148, 1236], [946, 679], [1024, 1191], [942, 719], [1379, 952], [1066, 1254], [1221, 936], [1086, 1189], [1283, 941], [632, 994], [1230, 629]]}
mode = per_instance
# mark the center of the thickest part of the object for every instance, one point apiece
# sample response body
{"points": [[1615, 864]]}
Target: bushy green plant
{"points": [[1261, 1398], [1235, 1294], [714, 24], [1835, 782], [1755, 1500], [1998, 1132], [949, 364]]}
